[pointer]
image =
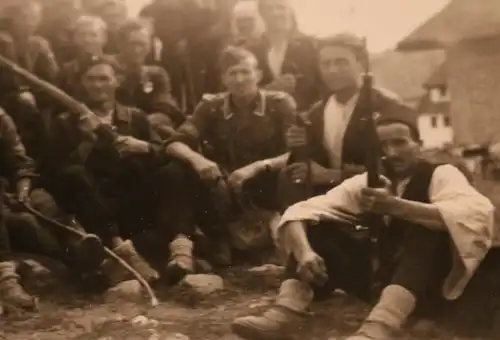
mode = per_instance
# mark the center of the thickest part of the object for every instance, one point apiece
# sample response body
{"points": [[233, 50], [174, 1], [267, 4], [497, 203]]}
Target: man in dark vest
{"points": [[426, 208], [332, 133], [239, 133]]}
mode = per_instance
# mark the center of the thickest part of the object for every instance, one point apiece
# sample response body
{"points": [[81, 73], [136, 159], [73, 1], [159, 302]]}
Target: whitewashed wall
{"points": [[434, 136]]}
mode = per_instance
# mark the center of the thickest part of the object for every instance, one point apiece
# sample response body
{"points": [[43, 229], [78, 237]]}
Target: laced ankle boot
{"points": [[12, 294], [181, 262], [279, 320], [116, 273]]}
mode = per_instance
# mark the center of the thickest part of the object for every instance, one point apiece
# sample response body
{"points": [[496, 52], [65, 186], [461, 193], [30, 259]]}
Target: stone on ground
{"points": [[130, 290], [203, 284]]}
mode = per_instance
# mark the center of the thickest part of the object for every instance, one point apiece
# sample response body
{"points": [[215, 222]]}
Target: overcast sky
{"points": [[383, 22]]}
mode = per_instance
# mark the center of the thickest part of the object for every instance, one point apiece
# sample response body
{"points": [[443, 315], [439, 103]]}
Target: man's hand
{"points": [[311, 268], [23, 188], [351, 170], [238, 178], [127, 145], [27, 98], [208, 171], [297, 172], [378, 200], [296, 137]]}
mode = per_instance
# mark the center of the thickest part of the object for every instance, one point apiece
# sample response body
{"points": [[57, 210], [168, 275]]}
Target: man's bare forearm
{"points": [[294, 239], [425, 214], [183, 153], [276, 163]]}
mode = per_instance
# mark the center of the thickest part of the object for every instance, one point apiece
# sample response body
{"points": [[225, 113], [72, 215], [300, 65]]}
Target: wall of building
{"points": [[474, 85], [435, 130]]}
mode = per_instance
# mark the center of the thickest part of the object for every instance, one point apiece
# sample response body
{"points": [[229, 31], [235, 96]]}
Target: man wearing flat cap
{"points": [[239, 133], [427, 210]]}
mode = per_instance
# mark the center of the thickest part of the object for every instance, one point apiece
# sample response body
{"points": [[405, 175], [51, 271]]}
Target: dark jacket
{"points": [[14, 163], [127, 121], [235, 139], [300, 61], [150, 91], [384, 103]]}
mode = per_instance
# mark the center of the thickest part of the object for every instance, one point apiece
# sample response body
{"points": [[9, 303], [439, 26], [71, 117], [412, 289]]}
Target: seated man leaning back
{"points": [[424, 208], [231, 150]]}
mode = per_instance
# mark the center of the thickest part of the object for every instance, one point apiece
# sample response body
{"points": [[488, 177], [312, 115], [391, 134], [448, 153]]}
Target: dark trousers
{"points": [[107, 207], [24, 232], [185, 202], [419, 261]]}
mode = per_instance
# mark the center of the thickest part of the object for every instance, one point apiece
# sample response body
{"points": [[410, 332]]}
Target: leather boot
{"points": [[116, 273], [12, 294], [181, 262], [86, 249], [280, 320]]}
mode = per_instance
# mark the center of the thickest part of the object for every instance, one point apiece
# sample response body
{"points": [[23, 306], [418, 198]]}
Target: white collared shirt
{"points": [[336, 119], [468, 215]]}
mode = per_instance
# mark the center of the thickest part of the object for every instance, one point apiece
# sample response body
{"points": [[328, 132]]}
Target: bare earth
{"points": [[67, 317]]}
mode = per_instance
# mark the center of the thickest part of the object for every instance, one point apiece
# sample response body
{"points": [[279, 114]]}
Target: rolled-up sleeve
{"points": [[339, 204], [14, 154], [469, 218]]}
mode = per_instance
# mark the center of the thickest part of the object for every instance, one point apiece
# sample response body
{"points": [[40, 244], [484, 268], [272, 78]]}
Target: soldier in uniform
{"points": [[231, 150], [19, 43], [105, 183], [146, 87]]}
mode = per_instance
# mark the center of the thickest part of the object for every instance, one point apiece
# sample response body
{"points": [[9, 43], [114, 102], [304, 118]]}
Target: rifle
{"points": [[90, 125], [372, 163]]}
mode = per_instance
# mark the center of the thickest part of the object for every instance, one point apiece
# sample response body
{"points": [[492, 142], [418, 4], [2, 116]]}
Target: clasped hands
{"points": [[210, 172]]}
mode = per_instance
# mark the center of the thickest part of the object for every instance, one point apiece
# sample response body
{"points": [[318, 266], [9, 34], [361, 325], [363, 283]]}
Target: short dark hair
{"points": [[130, 26], [414, 133], [94, 61], [349, 41], [233, 55]]}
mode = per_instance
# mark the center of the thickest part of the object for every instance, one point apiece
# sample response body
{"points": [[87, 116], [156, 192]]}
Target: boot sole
{"points": [[248, 332]]}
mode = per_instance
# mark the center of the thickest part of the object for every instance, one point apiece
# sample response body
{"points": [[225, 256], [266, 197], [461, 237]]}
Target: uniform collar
{"points": [[259, 102]]}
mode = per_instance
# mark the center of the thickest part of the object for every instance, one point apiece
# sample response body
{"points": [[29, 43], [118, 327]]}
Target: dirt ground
{"points": [[70, 317]]}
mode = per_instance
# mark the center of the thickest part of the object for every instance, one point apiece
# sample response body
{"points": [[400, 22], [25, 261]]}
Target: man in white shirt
{"points": [[333, 135], [429, 209]]}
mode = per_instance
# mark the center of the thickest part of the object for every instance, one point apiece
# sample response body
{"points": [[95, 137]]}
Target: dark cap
{"points": [[232, 55], [92, 61]]}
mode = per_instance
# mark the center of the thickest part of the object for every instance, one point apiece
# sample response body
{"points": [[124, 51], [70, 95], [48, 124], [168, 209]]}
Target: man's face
{"points": [[28, 17], [137, 46], [339, 68], [90, 38], [242, 79], [100, 83], [400, 148], [277, 15]]}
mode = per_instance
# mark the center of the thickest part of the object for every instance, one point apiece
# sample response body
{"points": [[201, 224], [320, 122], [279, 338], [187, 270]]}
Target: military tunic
{"points": [[234, 139]]}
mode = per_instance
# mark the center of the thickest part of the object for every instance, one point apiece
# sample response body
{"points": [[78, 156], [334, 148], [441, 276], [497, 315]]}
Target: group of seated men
{"points": [[144, 166]]}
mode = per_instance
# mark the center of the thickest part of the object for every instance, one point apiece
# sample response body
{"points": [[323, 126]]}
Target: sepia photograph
{"points": [[249, 169]]}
